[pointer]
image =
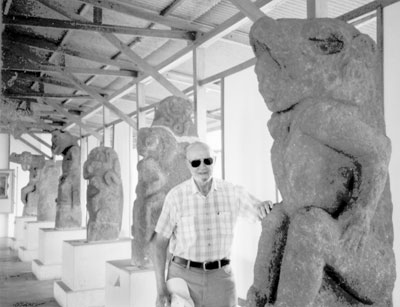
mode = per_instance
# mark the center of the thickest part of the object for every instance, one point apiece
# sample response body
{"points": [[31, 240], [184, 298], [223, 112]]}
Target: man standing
{"points": [[197, 222]]}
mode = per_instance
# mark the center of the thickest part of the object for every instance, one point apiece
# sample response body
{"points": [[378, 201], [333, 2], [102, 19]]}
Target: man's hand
{"points": [[264, 208]]}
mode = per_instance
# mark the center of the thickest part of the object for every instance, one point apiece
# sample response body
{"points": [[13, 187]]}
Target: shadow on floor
{"points": [[18, 286]]}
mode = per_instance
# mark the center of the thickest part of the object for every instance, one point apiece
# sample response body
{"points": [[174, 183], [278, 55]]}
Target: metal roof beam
{"points": [[30, 42], [73, 118], [76, 70], [88, 26], [135, 11], [104, 101]]}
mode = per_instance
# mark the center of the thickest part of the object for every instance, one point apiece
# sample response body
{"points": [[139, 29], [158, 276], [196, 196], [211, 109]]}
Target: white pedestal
{"points": [[19, 230], [48, 264], [29, 250], [129, 286], [83, 271]]}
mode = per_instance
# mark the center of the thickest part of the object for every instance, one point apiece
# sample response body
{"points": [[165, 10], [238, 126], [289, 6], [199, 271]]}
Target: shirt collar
{"points": [[194, 189]]}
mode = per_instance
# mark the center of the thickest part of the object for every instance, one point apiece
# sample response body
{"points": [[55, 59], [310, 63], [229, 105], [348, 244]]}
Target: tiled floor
{"points": [[18, 286]]}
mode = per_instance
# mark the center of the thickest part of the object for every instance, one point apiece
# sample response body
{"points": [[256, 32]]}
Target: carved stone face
{"points": [[60, 141], [321, 57]]}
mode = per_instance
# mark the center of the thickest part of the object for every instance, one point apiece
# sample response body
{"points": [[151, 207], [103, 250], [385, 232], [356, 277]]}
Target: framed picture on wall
{"points": [[6, 190], [4, 185]]}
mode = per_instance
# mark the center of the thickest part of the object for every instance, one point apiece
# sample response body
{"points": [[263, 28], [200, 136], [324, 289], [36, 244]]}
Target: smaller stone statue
{"points": [[29, 193], [47, 187], [162, 167], [104, 194], [68, 212]]}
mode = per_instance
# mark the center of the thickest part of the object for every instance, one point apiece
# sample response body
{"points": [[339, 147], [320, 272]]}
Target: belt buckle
{"points": [[205, 265]]}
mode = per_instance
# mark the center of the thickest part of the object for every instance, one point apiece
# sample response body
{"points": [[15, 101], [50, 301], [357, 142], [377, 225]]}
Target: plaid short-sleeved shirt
{"points": [[201, 227]]}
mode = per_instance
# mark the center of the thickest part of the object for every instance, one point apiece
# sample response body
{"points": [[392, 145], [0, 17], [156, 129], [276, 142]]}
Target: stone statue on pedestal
{"points": [[30, 192], [68, 211], [47, 187], [330, 241], [104, 194], [162, 167]]}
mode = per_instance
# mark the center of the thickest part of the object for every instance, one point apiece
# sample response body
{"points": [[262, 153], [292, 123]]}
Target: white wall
{"points": [[392, 115], [247, 163], [128, 160]]}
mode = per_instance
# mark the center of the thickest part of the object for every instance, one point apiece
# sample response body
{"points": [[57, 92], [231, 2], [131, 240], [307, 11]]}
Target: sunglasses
{"points": [[197, 162]]}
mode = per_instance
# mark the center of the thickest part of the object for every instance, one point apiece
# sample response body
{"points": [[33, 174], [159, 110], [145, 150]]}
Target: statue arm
{"points": [[340, 128], [25, 191]]}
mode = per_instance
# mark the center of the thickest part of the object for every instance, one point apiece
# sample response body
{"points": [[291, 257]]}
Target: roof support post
{"points": [[199, 93], [317, 8]]}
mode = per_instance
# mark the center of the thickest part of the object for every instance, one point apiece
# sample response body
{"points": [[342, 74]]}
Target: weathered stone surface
{"points": [[68, 211], [47, 187], [329, 243], [162, 167], [30, 192], [104, 194]]}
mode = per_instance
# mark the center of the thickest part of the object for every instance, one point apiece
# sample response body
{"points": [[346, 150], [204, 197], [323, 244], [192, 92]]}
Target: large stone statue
{"points": [[330, 241], [68, 213], [162, 167], [104, 194], [30, 192]]}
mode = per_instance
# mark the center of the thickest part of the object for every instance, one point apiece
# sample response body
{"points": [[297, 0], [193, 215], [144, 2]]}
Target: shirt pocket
{"points": [[187, 229], [225, 222]]}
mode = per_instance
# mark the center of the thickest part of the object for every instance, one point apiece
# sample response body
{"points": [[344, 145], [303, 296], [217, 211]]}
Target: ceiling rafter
{"points": [[128, 87], [225, 28], [71, 117], [44, 95], [147, 68], [40, 140], [104, 101], [30, 42], [249, 9], [56, 82], [33, 147], [104, 28], [132, 55], [135, 11], [76, 70]]}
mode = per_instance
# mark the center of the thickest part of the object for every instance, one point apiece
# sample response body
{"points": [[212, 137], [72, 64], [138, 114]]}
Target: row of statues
{"points": [[162, 147], [330, 242]]}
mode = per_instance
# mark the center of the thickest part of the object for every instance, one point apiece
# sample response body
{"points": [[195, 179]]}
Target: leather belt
{"points": [[206, 266]]}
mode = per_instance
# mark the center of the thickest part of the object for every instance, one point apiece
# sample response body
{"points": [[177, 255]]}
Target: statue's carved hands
{"points": [[355, 232], [163, 299]]}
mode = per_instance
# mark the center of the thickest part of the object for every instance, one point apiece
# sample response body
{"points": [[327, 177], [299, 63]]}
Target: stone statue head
{"points": [[299, 58], [100, 161], [62, 140], [27, 160], [175, 113]]}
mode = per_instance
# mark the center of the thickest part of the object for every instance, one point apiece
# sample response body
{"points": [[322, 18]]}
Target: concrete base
{"points": [[83, 271], [19, 230], [26, 255], [29, 250], [129, 286], [49, 261], [46, 271], [67, 297]]}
